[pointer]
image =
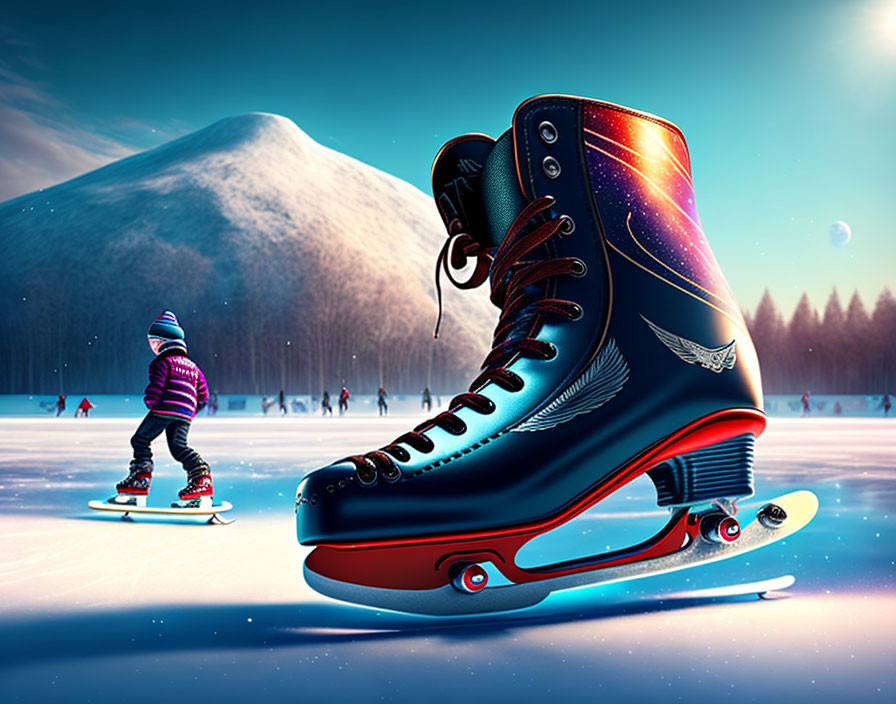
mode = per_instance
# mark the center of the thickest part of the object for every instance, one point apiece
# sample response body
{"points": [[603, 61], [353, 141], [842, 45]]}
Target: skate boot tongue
{"points": [[503, 201], [476, 187], [501, 197]]}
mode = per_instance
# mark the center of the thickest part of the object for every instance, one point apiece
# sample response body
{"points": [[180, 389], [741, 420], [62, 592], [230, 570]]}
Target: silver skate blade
{"points": [[203, 502], [127, 500], [800, 508], [760, 589], [443, 601]]}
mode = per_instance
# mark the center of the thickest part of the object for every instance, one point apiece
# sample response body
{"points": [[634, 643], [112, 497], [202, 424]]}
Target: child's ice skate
{"points": [[134, 488], [199, 491], [194, 500]]}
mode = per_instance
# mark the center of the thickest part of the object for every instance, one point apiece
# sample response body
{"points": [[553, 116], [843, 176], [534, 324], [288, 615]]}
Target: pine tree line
{"points": [[840, 351]]}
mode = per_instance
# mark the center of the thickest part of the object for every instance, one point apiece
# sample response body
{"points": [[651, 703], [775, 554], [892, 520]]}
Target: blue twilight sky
{"points": [[788, 107]]}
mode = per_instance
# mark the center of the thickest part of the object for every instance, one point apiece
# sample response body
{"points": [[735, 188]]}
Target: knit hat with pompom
{"points": [[167, 328]]}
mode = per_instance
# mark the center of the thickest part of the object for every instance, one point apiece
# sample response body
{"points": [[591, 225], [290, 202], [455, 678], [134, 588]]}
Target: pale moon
{"points": [[840, 234]]}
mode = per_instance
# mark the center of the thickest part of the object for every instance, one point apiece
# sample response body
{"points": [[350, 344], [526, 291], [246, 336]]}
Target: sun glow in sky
{"points": [[887, 16]]}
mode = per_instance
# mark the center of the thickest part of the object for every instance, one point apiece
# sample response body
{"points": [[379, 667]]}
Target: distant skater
{"points": [[282, 399], [343, 400], [427, 400], [60, 405], [381, 401], [213, 403], [325, 406], [887, 405], [177, 390], [83, 408], [805, 402]]}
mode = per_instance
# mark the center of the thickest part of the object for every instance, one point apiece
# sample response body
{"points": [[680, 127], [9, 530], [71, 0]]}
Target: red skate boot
{"points": [[134, 488], [199, 491]]}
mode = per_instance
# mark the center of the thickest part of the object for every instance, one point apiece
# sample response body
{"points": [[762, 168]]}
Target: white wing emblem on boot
{"points": [[603, 379], [715, 359]]}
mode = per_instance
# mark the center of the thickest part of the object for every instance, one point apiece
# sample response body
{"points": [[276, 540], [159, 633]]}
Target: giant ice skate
{"points": [[619, 351]]}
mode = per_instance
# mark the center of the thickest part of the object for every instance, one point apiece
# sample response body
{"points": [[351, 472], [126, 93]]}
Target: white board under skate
{"points": [[212, 511]]}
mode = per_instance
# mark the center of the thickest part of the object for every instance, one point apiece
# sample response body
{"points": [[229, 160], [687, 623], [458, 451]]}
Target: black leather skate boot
{"points": [[619, 350]]}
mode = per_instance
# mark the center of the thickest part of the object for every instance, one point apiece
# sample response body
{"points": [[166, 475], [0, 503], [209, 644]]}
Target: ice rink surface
{"points": [[93, 608]]}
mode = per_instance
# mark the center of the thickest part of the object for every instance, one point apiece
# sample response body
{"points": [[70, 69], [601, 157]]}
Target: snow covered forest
{"points": [[316, 337], [840, 350], [845, 351]]}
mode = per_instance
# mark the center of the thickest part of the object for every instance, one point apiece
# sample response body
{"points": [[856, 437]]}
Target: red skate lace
{"points": [[511, 275]]}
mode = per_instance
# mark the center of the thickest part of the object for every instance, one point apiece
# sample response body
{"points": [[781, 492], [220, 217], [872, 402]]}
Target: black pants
{"points": [[176, 431]]}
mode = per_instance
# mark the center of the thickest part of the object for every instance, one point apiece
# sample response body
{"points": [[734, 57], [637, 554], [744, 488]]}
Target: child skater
{"points": [[176, 392]]}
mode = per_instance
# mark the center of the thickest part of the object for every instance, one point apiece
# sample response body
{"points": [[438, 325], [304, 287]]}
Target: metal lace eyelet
{"points": [[366, 478], [551, 167], [392, 475], [547, 132], [578, 311], [551, 353], [579, 268], [490, 408], [567, 225]]}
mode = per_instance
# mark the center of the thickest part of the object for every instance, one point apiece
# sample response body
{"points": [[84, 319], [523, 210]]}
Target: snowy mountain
{"points": [[286, 262]]}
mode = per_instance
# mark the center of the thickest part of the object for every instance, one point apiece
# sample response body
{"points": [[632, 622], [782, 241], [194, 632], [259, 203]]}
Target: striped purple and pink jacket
{"points": [[177, 385]]}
